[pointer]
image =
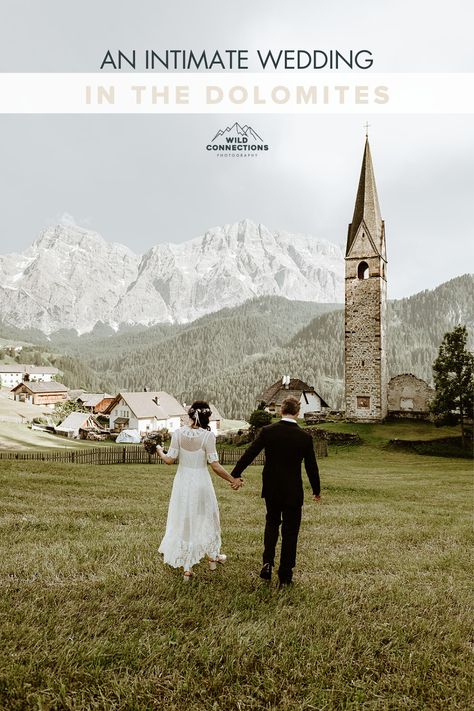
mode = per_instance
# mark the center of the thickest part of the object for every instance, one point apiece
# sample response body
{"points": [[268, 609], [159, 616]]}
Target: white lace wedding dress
{"points": [[193, 527]]}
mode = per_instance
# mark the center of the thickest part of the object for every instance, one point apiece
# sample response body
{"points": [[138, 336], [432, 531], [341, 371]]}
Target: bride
{"points": [[193, 526]]}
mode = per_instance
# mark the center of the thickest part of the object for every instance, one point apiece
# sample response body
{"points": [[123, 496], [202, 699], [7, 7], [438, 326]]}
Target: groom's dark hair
{"points": [[201, 413], [290, 406]]}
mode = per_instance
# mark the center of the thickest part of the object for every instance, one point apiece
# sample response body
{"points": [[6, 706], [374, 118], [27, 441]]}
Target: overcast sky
{"points": [[146, 179]]}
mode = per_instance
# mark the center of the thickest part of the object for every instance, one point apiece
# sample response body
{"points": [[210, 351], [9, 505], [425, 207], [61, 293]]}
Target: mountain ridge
{"points": [[70, 277]]}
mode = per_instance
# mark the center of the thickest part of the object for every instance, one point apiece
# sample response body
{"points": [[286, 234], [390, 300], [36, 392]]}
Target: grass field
{"points": [[379, 617], [20, 437]]}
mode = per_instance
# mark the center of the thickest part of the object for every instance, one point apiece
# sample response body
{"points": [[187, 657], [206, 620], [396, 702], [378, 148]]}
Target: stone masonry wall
{"points": [[407, 392], [365, 328]]}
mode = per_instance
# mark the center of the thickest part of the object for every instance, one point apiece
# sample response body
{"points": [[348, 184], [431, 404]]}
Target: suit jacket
{"points": [[286, 445]]}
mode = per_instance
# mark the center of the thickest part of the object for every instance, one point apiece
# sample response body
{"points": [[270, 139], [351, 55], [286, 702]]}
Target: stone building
{"points": [[365, 361], [409, 397]]}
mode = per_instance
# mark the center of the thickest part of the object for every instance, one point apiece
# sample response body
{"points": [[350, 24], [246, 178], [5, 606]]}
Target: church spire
{"points": [[367, 209]]}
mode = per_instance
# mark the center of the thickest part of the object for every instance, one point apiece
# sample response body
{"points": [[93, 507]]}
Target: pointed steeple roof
{"points": [[367, 207]]}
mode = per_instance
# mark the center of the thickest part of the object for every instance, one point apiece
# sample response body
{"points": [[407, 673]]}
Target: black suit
{"points": [[286, 445]]}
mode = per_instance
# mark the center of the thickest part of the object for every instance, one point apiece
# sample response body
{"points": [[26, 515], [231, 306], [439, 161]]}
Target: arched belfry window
{"points": [[363, 270]]}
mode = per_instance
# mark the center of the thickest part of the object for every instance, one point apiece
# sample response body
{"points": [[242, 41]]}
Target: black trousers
{"points": [[290, 518]]}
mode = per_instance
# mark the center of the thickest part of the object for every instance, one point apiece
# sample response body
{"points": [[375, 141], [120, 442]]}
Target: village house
{"points": [[216, 419], [16, 373], [95, 402], [74, 422], [40, 393], [309, 399], [145, 412]]}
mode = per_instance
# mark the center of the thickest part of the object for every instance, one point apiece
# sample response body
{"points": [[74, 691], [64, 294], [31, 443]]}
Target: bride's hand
{"points": [[236, 484]]}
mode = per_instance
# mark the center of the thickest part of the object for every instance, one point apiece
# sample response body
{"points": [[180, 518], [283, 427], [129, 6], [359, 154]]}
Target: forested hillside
{"points": [[230, 360], [282, 319], [229, 357]]}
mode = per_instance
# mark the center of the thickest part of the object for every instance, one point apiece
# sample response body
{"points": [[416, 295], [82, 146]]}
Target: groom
{"points": [[286, 445]]}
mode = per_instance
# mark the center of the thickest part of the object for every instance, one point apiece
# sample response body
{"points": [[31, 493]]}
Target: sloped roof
{"points": [[11, 368], [93, 399], [36, 369], [75, 420], [32, 369], [278, 392], [295, 384], [42, 387], [298, 394], [215, 413], [75, 394], [143, 404], [367, 208]]}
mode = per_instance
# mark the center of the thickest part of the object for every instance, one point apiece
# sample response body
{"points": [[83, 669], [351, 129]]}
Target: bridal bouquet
{"points": [[151, 442]]}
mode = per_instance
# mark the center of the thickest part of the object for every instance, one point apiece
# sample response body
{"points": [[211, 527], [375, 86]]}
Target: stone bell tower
{"points": [[365, 358]]}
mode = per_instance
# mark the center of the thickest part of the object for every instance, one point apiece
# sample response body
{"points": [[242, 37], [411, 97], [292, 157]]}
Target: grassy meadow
{"points": [[379, 617]]}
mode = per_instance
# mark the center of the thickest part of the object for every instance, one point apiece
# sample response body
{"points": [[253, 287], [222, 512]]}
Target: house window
{"points": [[363, 401], [363, 271]]}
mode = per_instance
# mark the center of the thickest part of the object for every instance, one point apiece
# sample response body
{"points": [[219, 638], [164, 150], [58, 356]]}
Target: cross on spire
{"points": [[366, 126]]}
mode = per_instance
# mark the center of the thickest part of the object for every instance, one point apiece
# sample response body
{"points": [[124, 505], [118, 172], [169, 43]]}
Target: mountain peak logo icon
{"points": [[237, 130], [237, 141]]}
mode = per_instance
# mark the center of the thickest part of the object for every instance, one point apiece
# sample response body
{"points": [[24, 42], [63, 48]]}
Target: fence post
{"points": [[123, 455]]}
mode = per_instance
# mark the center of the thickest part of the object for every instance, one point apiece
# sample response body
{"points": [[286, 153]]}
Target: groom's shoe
{"points": [[285, 577], [266, 572]]}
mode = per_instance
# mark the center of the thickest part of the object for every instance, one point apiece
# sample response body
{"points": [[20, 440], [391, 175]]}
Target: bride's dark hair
{"points": [[200, 413]]}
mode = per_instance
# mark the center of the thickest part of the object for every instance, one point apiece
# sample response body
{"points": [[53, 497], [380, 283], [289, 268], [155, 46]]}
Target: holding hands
{"points": [[235, 482]]}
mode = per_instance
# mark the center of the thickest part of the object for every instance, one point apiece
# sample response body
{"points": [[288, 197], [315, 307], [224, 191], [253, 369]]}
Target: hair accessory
{"points": [[195, 412]]}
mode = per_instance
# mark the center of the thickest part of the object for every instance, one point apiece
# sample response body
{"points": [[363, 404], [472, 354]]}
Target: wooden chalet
{"points": [[40, 393]]}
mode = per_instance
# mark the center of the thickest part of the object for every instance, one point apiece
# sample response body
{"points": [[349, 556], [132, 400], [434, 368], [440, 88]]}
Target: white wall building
{"points": [[11, 375], [145, 412]]}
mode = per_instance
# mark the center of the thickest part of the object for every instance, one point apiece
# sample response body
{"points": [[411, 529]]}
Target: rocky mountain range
{"points": [[71, 277]]}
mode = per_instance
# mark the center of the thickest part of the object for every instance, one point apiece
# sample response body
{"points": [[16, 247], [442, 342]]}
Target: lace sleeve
{"points": [[173, 450], [210, 447]]}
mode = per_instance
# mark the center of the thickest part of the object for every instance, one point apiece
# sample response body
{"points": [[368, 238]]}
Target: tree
{"points": [[259, 418], [64, 408], [453, 373]]}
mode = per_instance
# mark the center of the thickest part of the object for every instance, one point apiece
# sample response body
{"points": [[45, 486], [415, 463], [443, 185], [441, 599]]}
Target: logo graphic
{"points": [[237, 141]]}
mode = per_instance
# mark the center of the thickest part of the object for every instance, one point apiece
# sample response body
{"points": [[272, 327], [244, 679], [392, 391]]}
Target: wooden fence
{"points": [[128, 454]]}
